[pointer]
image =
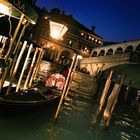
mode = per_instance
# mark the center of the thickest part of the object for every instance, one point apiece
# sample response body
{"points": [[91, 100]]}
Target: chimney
{"points": [[63, 12], [93, 28]]}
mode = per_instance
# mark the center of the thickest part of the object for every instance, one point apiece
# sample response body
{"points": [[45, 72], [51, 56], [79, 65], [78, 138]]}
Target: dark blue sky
{"points": [[115, 20]]}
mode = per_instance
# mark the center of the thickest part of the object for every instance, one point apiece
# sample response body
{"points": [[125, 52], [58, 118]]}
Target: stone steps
{"points": [[79, 99]]}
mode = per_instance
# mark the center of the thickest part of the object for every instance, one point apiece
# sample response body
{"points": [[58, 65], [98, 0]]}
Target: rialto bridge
{"points": [[121, 57]]}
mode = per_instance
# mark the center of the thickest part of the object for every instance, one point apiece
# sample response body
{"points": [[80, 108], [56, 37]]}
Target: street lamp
{"points": [[57, 30]]}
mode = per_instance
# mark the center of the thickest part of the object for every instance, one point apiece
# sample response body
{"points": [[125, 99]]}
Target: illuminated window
{"points": [[62, 39], [99, 42], [70, 42], [82, 34], [46, 17]]}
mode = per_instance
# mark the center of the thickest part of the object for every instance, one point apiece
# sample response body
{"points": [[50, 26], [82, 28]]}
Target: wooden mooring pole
{"points": [[23, 69], [35, 68], [65, 87], [31, 69], [103, 97], [71, 77], [112, 100], [105, 91], [16, 67]]}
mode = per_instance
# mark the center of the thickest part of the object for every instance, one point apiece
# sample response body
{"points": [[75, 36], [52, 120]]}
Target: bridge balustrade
{"points": [[129, 57]]}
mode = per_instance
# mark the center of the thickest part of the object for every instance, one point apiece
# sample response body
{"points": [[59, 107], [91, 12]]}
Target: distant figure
{"points": [[65, 71], [138, 100], [127, 91]]}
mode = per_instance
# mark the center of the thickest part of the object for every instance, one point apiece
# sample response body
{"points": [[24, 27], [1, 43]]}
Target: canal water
{"points": [[74, 122]]}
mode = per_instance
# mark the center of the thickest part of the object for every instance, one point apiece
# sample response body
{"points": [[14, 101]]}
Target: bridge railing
{"points": [[129, 57]]}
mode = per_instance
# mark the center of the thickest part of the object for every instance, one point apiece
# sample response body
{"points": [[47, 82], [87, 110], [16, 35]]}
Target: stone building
{"points": [[78, 38]]}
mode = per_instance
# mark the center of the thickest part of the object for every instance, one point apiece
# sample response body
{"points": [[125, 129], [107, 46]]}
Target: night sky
{"points": [[115, 20]]}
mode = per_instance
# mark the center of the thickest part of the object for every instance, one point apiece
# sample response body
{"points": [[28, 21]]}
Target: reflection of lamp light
{"points": [[4, 9], [57, 30]]}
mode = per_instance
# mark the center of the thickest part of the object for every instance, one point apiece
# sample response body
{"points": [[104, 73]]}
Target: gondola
{"points": [[27, 99], [34, 97]]}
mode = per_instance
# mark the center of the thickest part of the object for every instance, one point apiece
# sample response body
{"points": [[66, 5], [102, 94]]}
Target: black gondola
{"points": [[29, 98], [40, 95]]}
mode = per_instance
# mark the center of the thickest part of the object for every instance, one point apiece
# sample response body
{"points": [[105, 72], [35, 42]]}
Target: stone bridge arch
{"points": [[124, 47], [119, 50], [129, 49], [109, 52], [94, 54], [102, 53]]}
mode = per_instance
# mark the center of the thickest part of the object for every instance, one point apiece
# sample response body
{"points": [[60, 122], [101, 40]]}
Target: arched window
{"points": [[119, 50], [65, 57], [129, 49], [102, 53], [51, 53], [109, 52], [94, 54]]}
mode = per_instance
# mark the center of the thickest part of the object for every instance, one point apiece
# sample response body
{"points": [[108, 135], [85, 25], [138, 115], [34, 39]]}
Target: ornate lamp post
{"points": [[57, 30]]}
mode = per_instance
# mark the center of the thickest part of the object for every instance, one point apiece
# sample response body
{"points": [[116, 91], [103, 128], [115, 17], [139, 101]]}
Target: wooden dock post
{"points": [[103, 97], [35, 68], [38, 64], [31, 69], [112, 100], [105, 91], [16, 67], [23, 69], [71, 77], [64, 89]]}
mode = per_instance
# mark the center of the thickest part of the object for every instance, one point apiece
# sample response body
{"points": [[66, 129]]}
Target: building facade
{"points": [[78, 39]]}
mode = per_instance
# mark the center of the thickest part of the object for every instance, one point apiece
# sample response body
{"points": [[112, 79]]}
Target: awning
{"points": [[18, 7]]}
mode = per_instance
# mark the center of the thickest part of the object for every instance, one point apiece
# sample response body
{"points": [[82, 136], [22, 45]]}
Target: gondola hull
{"points": [[27, 100]]}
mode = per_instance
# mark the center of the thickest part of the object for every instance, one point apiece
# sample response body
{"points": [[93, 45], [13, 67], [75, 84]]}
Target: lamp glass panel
{"points": [[4, 9], [57, 30]]}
